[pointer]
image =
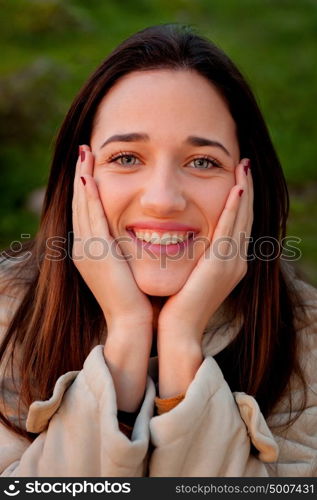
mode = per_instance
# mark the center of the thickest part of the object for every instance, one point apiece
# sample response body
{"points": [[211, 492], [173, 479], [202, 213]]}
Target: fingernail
{"points": [[246, 165], [83, 180], [240, 192], [82, 155]]}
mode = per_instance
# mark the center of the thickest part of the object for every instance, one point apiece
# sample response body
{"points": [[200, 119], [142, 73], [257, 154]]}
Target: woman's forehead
{"points": [[162, 87], [161, 102]]}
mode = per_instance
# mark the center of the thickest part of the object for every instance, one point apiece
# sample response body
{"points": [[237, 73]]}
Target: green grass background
{"points": [[49, 47]]}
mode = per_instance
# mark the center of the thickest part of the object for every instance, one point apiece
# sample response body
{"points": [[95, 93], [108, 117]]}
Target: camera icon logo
{"points": [[12, 490]]}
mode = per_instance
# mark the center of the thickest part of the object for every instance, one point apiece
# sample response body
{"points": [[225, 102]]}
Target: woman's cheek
{"points": [[217, 202], [109, 201]]}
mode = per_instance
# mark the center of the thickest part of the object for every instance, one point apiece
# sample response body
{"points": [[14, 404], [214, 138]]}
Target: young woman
{"points": [[153, 327]]}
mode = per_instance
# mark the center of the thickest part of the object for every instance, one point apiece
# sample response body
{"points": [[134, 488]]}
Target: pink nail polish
{"points": [[240, 192], [83, 180], [82, 155]]}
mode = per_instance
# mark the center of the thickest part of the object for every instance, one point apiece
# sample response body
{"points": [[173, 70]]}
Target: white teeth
{"points": [[166, 237], [147, 236], [163, 239], [155, 238]]}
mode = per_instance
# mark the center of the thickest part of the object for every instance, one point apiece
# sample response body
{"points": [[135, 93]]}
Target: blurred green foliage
{"points": [[49, 47]]}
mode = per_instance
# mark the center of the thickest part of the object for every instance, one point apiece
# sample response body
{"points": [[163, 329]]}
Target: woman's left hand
{"points": [[184, 316]]}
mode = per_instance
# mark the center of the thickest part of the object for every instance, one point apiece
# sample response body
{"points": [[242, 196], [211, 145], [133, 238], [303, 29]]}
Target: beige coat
{"points": [[207, 434]]}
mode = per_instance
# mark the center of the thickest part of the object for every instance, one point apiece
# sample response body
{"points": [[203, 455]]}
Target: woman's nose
{"points": [[163, 195]]}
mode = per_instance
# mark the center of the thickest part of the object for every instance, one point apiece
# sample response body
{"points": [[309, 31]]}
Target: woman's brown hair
{"points": [[58, 319]]}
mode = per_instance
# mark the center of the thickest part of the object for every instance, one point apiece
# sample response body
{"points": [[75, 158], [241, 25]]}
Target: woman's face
{"points": [[179, 152]]}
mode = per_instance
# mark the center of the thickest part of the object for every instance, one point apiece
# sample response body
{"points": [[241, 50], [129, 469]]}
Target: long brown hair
{"points": [[58, 319]]}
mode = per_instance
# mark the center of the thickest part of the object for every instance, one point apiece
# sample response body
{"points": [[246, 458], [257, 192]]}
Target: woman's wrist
{"points": [[179, 360], [127, 323], [181, 331], [127, 367]]}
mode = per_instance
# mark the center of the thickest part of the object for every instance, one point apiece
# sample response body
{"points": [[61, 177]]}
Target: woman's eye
{"points": [[130, 160], [204, 163], [124, 159]]}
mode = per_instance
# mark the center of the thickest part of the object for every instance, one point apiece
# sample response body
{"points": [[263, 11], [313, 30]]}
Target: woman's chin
{"points": [[159, 289], [161, 282]]}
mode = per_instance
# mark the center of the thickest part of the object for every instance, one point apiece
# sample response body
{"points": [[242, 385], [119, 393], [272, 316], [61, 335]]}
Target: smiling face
{"points": [[179, 151]]}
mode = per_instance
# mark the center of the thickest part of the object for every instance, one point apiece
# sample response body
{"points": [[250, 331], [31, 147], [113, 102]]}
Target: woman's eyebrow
{"points": [[132, 137], [192, 140]]}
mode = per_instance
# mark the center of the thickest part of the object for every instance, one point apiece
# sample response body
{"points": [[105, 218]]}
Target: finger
{"points": [[251, 201], [97, 217], [244, 219], [222, 238], [80, 158], [243, 213], [82, 203], [74, 200], [227, 218], [78, 170], [87, 160], [249, 179]]}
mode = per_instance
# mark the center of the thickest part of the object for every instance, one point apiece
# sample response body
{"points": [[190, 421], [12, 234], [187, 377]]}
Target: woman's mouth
{"points": [[162, 242]]}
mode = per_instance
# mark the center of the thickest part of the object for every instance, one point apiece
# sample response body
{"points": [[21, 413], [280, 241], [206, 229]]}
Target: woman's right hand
{"points": [[97, 256], [127, 310]]}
